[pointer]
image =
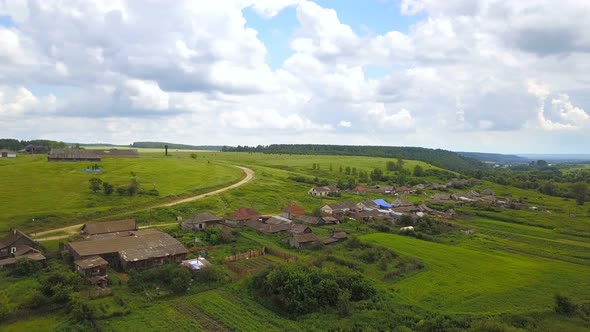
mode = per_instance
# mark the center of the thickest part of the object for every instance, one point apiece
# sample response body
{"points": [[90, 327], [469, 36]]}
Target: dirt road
{"points": [[70, 230]]}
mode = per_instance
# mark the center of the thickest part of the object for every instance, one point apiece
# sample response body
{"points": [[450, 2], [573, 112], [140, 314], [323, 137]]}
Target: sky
{"points": [[464, 75]]}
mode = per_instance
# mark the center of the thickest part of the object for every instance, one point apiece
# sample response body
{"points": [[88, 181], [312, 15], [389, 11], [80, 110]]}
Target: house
{"points": [[240, 216], [141, 249], [367, 205], [441, 197], [115, 227], [267, 228], [17, 245], [293, 210], [487, 192], [36, 148], [405, 190], [73, 155], [92, 266], [7, 154], [303, 240], [330, 220], [277, 220], [200, 221], [368, 215], [382, 204], [359, 190], [338, 208], [408, 209], [299, 229], [310, 220], [323, 191], [401, 202]]}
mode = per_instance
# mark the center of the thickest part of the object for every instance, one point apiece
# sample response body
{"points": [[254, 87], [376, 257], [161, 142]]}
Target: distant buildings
{"points": [[73, 155], [7, 154]]}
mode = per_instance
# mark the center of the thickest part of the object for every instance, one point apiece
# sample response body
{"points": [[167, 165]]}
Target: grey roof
{"points": [[90, 262], [276, 220], [307, 219], [142, 245], [342, 206], [13, 236], [305, 238], [73, 154], [401, 202], [204, 217], [109, 227]]}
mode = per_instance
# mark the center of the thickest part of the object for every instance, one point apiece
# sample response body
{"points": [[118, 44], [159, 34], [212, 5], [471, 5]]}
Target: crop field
{"points": [[232, 312], [461, 279], [257, 263], [57, 193]]}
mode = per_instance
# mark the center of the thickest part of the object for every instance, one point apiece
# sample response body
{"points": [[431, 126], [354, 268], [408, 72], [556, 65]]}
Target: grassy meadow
{"points": [[57, 193]]}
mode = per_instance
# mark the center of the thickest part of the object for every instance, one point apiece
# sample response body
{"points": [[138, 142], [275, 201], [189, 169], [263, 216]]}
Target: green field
{"points": [[55, 193], [462, 279]]}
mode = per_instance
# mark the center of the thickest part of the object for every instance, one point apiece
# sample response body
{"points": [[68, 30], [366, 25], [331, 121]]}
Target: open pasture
{"points": [[477, 280], [57, 193]]}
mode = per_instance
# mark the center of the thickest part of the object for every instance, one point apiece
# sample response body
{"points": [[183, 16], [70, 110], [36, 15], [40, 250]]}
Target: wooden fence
{"points": [[97, 293], [242, 271], [248, 254]]}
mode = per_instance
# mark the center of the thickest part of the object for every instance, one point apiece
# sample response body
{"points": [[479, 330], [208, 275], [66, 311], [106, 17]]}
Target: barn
{"points": [[73, 155]]}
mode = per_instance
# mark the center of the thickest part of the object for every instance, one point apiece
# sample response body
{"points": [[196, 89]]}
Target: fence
{"points": [[243, 271], [248, 254], [97, 293]]}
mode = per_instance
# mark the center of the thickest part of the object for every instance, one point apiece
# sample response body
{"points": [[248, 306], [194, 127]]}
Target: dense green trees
{"points": [[297, 290], [580, 192]]}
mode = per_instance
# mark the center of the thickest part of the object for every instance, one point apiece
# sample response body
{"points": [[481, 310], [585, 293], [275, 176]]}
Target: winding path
{"points": [[38, 236]]}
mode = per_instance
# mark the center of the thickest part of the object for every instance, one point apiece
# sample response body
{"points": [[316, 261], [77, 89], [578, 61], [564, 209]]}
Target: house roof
{"points": [[294, 210], [243, 214], [73, 154], [8, 151], [358, 189], [90, 262], [442, 197], [369, 204], [276, 220], [329, 220], [299, 229], [404, 188], [141, 245], [203, 217], [109, 227], [305, 238], [118, 152], [340, 235], [324, 189], [11, 237], [35, 256], [307, 219], [401, 202], [342, 206], [266, 228]]}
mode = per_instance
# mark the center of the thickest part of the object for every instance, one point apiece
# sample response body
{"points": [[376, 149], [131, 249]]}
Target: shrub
{"points": [[107, 188], [564, 305], [94, 184], [25, 267]]}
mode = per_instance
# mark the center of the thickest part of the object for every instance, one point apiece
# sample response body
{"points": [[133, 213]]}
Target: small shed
{"points": [[7, 154], [92, 266], [303, 240]]}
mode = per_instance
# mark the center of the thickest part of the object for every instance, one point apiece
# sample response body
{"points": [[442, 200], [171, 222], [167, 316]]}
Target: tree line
{"points": [[17, 145], [438, 157]]}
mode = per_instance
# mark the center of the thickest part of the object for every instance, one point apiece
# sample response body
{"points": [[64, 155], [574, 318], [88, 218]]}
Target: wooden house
{"points": [[240, 216], [73, 155], [114, 227], [200, 221], [323, 191], [17, 245], [303, 240], [292, 210]]}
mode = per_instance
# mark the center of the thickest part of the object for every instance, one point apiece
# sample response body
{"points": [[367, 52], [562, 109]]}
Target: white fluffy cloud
{"points": [[468, 75]]}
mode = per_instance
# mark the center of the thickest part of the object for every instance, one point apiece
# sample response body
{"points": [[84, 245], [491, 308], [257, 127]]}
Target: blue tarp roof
{"points": [[382, 204]]}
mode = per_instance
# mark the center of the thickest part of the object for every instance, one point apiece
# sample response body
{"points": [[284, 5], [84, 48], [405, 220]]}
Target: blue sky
{"points": [[468, 75]]}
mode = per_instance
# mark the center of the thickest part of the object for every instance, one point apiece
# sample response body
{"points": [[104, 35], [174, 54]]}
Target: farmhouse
{"points": [[323, 191], [7, 154], [277, 220], [293, 210], [299, 229], [359, 190], [72, 155], [115, 227], [17, 245], [404, 190], [367, 205], [327, 220], [141, 249], [91, 267], [310, 220], [335, 237], [267, 228], [338, 208], [303, 240], [200, 221], [240, 216]]}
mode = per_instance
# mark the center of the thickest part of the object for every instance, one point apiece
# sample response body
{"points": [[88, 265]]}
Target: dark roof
{"points": [[330, 220], [305, 238], [13, 236], [340, 235], [369, 204], [266, 228], [442, 197], [36, 256], [307, 219], [294, 210], [243, 214], [299, 229], [142, 245], [342, 205], [202, 218], [109, 227], [73, 154], [118, 152], [90, 262]]}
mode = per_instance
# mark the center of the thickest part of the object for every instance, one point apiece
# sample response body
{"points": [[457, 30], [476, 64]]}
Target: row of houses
{"points": [[89, 155], [460, 198]]}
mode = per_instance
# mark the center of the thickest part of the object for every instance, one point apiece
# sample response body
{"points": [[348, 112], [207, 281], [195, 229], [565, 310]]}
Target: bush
{"points": [[94, 184], [25, 267], [107, 188], [153, 192], [171, 277], [80, 309], [564, 305]]}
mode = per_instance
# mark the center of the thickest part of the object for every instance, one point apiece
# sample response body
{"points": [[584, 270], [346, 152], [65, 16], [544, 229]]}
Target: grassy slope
{"points": [[57, 193], [462, 279]]}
